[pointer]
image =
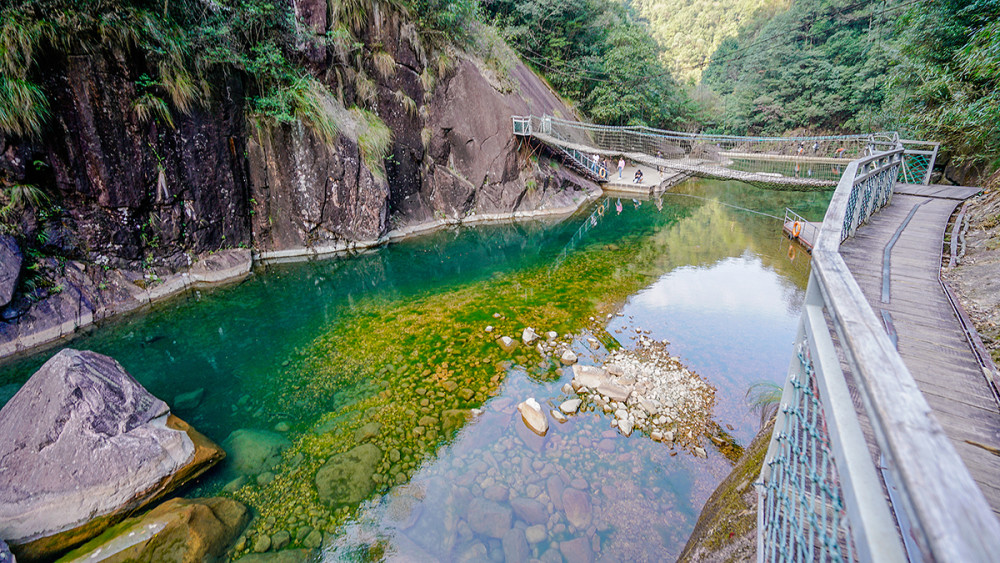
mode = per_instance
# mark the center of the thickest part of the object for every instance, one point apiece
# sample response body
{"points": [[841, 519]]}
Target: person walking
{"points": [[621, 167]]}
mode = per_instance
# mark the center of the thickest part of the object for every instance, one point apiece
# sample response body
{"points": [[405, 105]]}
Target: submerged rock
{"points": [[367, 432], [178, 530], [84, 444], [533, 417], [507, 343], [488, 518], [254, 451], [190, 400], [347, 477], [284, 556]]}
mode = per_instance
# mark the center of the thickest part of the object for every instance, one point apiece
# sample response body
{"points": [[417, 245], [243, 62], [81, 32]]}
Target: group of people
{"points": [[603, 166]]}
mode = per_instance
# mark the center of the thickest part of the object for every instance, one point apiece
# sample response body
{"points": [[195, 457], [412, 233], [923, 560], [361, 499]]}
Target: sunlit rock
{"points": [[528, 335], [568, 358], [533, 417], [570, 406]]}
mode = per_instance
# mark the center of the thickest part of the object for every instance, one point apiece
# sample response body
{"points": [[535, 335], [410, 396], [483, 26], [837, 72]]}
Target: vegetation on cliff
{"points": [[596, 53], [928, 69]]}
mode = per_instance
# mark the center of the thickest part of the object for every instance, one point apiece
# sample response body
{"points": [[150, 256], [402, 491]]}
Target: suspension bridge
{"points": [[802, 163], [886, 445]]}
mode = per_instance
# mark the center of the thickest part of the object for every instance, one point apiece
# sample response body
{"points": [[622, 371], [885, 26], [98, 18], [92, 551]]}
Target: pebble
{"points": [[560, 417], [535, 534], [489, 328]]}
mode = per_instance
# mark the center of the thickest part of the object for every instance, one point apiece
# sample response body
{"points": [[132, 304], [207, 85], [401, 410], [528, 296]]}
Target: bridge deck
{"points": [[920, 317]]}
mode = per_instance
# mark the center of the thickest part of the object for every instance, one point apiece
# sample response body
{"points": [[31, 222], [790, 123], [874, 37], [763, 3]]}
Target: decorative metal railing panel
{"points": [[821, 496], [803, 515]]}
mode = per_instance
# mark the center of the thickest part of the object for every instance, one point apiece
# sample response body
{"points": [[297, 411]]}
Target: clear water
{"points": [[313, 352]]}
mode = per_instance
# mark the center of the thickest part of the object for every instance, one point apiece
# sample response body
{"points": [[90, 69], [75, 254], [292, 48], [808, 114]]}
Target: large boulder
{"points": [[10, 268], [347, 477], [84, 446], [179, 530]]}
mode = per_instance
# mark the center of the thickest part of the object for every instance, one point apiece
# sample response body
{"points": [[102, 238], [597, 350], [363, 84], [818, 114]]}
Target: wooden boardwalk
{"points": [[896, 259]]}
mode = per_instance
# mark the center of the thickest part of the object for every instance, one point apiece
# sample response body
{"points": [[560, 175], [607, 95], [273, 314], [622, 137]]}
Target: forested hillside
{"points": [[690, 31], [929, 69], [596, 53]]}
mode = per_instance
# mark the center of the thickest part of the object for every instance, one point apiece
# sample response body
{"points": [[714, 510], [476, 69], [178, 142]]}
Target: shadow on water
{"points": [[388, 349]]}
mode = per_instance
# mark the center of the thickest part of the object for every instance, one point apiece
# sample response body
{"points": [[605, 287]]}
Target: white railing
{"points": [[820, 492]]}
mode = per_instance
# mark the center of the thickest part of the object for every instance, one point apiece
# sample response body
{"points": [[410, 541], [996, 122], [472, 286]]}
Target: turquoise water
{"points": [[309, 354]]}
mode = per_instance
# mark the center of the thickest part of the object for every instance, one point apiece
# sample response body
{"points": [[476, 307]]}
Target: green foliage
{"points": [[689, 31], [815, 65], [374, 139], [597, 54], [23, 106], [946, 77]]}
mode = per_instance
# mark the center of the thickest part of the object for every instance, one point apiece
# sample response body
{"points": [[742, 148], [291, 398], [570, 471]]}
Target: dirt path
{"points": [[976, 278]]}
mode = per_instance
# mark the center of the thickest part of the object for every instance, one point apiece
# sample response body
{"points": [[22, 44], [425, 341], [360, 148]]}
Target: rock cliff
{"points": [[147, 199]]}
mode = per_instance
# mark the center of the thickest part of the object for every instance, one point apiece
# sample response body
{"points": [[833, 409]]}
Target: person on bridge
{"points": [[638, 176], [621, 167]]}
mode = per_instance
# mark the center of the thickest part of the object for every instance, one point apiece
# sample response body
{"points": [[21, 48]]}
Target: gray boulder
{"points": [[10, 268], [84, 445]]}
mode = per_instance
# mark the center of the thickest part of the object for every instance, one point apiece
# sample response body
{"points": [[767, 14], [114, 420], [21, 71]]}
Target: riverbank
{"points": [[91, 294]]}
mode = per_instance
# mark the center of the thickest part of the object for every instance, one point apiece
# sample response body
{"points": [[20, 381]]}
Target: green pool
{"points": [[380, 366]]}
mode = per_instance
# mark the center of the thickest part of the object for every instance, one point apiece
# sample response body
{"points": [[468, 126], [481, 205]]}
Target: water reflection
{"points": [[396, 335]]}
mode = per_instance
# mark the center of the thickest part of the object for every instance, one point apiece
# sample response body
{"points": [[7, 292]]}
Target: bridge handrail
{"points": [[941, 513]]}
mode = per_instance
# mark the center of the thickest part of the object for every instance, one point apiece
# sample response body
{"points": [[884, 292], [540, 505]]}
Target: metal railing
{"points": [[809, 230], [676, 144], [820, 492]]}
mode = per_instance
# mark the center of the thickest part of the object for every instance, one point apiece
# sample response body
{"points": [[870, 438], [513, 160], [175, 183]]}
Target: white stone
{"points": [[528, 335], [568, 358], [535, 534], [588, 376], [621, 414], [507, 343], [570, 406], [656, 435], [558, 415], [613, 391], [551, 335], [625, 426], [533, 417], [700, 452], [489, 328]]}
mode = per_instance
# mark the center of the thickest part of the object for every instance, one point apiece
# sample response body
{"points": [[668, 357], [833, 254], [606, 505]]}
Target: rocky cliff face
{"points": [[146, 198]]}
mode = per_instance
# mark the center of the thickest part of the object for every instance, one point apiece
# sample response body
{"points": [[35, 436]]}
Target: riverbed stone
{"points": [[576, 504], [190, 400], [280, 539], [488, 518], [347, 477], [178, 530], [568, 357], [10, 267], [84, 444], [507, 343], [283, 556], [515, 546], [577, 550], [535, 534], [497, 493], [588, 376], [252, 451], [367, 432], [570, 406], [530, 511], [533, 417], [613, 391], [529, 335]]}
